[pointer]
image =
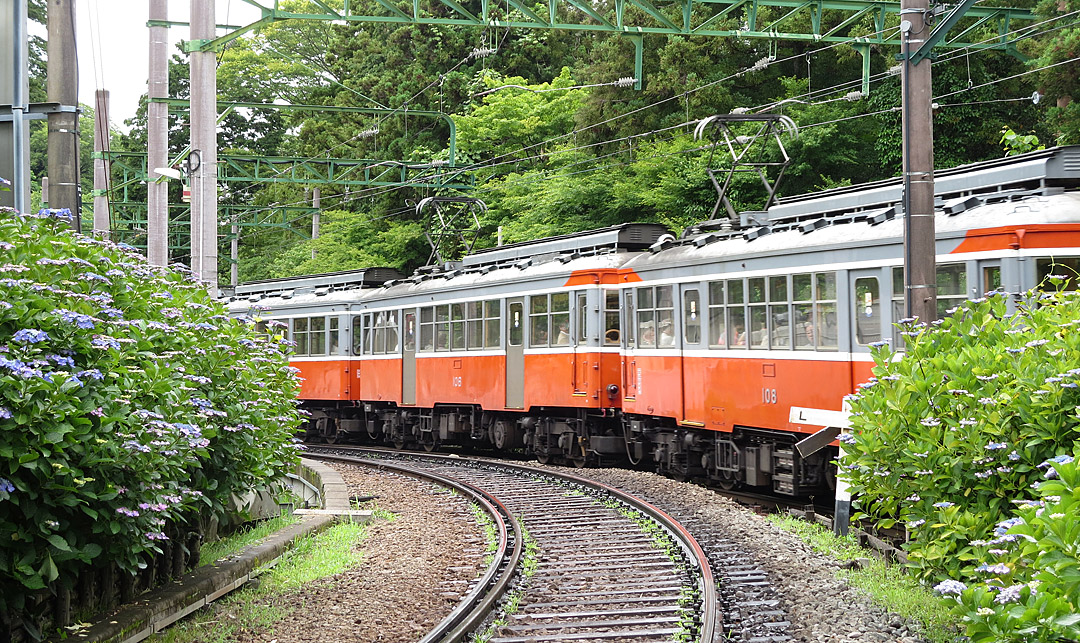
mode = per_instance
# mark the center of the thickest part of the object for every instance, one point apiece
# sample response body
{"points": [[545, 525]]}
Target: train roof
{"points": [[317, 284], [627, 236]]}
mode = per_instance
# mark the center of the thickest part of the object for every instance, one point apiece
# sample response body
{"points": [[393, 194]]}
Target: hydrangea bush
{"points": [[129, 404], [957, 442]]}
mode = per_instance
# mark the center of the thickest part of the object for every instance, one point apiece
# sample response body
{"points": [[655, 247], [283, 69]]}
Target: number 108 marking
{"points": [[768, 395]]}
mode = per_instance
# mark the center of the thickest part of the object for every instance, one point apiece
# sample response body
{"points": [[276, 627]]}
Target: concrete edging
{"points": [[166, 605]]}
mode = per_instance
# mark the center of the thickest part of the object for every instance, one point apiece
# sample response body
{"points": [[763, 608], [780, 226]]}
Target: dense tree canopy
{"points": [[553, 145]]}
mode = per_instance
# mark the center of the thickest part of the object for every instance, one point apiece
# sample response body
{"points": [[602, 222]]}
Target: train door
{"points": [[408, 357], [866, 317], [691, 361], [579, 341], [629, 362], [515, 353]]}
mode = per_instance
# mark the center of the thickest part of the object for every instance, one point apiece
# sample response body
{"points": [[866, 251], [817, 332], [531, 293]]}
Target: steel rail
{"points": [[711, 626], [478, 603]]}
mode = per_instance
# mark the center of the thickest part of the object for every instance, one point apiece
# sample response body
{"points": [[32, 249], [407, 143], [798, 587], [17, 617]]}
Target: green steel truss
{"points": [[808, 20]]}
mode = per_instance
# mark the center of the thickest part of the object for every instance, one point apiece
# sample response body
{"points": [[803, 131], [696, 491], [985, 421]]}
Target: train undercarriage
{"points": [[745, 457]]}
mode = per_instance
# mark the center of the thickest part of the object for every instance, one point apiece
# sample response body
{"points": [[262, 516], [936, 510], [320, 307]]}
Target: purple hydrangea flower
{"points": [[947, 587], [30, 336]]}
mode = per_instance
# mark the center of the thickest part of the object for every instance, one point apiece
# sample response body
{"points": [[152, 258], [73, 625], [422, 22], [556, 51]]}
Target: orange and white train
{"points": [[628, 344]]}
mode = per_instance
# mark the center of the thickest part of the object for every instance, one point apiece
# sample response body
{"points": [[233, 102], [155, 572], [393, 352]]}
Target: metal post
{"points": [[63, 84], [14, 90], [101, 168], [204, 237], [316, 202], [234, 255], [920, 274], [157, 114]]}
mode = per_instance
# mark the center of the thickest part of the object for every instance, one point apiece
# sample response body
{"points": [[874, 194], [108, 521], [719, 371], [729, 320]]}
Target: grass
{"points": [[254, 609], [886, 584], [225, 547]]}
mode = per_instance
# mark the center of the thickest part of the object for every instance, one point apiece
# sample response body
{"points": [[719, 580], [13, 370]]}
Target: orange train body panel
{"points": [[324, 379], [718, 392], [378, 380], [474, 379], [1017, 237]]}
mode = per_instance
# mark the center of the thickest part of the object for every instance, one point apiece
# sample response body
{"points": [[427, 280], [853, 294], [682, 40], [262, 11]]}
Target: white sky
{"points": [[113, 46]]}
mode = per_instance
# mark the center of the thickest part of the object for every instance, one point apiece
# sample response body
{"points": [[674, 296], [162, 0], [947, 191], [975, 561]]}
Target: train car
{"points": [[686, 353]]}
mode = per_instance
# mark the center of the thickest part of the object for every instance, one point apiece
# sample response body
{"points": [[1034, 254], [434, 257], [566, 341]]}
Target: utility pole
{"points": [[15, 91], [101, 167], [62, 85], [204, 220], [316, 202], [157, 144], [920, 270]]}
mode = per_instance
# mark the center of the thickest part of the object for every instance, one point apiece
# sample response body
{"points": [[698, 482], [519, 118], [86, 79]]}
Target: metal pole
{"points": [[157, 144], [920, 274], [234, 256], [316, 202], [204, 139], [63, 87], [101, 168], [14, 89]]}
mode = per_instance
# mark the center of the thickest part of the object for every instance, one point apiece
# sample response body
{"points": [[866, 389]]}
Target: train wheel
{"points": [[332, 438], [727, 483], [543, 458], [430, 444], [399, 445], [578, 462]]}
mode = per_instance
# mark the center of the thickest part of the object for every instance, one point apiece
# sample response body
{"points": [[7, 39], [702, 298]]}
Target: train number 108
{"points": [[768, 396]]}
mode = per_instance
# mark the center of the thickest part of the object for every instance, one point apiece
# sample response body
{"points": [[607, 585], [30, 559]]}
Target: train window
{"points": [[392, 331], [991, 278], [867, 306], [813, 311], [475, 312], [630, 326], [300, 335], [538, 320], [492, 310], [378, 341], [611, 318], [357, 334], [515, 323], [951, 287], [691, 317], [779, 315], [334, 336], [427, 329], [717, 335], [655, 317], [457, 327], [442, 328], [317, 336], [408, 320], [560, 319], [899, 307], [582, 318], [758, 329]]}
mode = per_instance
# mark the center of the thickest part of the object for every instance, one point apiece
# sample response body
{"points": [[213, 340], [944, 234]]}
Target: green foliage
{"points": [[1019, 143], [129, 404], [952, 439]]}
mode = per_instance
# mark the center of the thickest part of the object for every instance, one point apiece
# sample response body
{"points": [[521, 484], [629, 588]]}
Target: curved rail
{"points": [[711, 625], [478, 603]]}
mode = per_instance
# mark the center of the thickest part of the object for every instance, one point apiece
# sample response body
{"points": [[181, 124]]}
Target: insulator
{"points": [[895, 69], [853, 96], [740, 110], [627, 81], [482, 52], [368, 133]]}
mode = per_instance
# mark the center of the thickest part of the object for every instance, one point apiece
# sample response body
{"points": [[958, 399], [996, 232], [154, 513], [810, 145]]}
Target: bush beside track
{"points": [[970, 442], [132, 409]]}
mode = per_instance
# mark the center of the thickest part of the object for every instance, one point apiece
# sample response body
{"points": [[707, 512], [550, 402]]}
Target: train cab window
{"points": [[492, 311], [538, 320], [611, 318], [581, 333], [300, 335], [515, 324], [691, 317], [317, 336], [474, 311], [457, 327], [779, 315], [717, 334], [442, 328], [951, 287], [334, 336], [357, 334], [736, 314], [867, 306]]}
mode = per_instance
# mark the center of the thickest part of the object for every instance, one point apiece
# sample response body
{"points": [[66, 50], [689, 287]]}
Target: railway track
{"points": [[596, 564]]}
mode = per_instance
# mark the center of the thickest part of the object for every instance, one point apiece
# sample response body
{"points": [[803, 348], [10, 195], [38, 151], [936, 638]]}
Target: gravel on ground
{"points": [[416, 568]]}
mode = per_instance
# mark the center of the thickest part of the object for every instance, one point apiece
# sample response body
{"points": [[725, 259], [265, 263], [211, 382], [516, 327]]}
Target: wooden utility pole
{"points": [[62, 86], [920, 272], [157, 189], [204, 220], [101, 167]]}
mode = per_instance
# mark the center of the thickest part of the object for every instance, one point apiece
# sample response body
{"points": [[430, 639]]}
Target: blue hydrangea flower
{"points": [[996, 446], [943, 505], [30, 336], [5, 413], [947, 587]]}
